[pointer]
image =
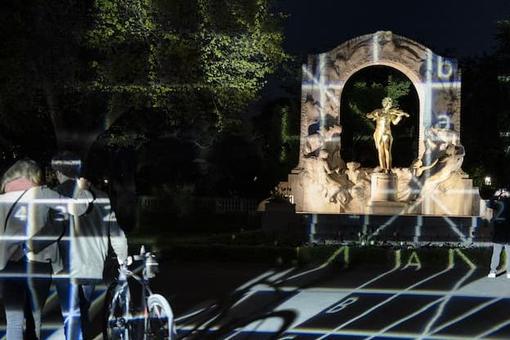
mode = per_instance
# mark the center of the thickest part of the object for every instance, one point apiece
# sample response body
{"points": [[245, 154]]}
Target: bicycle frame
{"points": [[124, 322]]}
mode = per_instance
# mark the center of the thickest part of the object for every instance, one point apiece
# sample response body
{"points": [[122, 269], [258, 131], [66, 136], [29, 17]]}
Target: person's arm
{"points": [[76, 205], [491, 203], [116, 235], [118, 241], [51, 232], [58, 208]]}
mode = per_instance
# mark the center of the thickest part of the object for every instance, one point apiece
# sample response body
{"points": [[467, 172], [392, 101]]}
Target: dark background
{"points": [[459, 28]]}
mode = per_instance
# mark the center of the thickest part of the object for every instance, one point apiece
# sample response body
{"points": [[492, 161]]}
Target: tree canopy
{"points": [[174, 66], [196, 64]]}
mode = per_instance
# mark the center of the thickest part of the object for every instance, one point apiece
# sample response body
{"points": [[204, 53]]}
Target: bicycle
{"points": [[154, 321]]}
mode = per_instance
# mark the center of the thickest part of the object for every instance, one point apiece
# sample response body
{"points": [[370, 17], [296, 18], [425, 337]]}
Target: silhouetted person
{"points": [[500, 204]]}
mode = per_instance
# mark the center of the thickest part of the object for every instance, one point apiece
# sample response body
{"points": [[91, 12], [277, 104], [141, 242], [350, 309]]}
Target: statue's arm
{"points": [[396, 116], [396, 119], [399, 113]]}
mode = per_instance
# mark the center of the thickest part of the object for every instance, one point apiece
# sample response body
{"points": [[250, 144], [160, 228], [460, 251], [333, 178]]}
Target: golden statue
{"points": [[382, 135]]}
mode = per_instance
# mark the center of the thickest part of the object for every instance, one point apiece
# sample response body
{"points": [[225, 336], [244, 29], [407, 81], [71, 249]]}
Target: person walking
{"points": [[25, 274], [84, 249], [500, 204]]}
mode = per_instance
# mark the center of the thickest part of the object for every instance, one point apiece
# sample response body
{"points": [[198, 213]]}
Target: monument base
{"points": [[407, 228], [383, 187], [386, 208]]}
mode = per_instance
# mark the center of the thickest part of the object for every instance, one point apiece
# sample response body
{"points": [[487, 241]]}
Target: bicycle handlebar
{"points": [[149, 267]]}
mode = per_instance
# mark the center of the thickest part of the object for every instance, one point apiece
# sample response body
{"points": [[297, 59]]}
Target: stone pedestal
{"points": [[386, 208], [383, 195], [383, 187]]}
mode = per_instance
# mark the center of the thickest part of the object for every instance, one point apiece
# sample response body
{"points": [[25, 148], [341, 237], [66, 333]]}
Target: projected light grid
{"points": [[407, 300]]}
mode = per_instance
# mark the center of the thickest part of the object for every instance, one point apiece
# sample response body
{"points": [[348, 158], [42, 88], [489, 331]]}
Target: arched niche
{"points": [[357, 141], [436, 79]]}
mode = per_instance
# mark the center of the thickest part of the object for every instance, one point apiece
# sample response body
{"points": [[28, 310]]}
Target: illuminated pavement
{"points": [[408, 298]]}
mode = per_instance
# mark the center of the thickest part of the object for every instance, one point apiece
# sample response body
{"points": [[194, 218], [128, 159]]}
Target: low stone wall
{"points": [[336, 255]]}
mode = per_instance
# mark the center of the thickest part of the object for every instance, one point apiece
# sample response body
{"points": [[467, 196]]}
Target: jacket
{"points": [[501, 219], [84, 241], [24, 213]]}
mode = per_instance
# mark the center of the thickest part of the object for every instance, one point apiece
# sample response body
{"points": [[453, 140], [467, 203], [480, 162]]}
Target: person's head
{"points": [[67, 165], [25, 169]]}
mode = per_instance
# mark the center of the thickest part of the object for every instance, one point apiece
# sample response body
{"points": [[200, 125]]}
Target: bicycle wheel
{"points": [[117, 318], [160, 323]]}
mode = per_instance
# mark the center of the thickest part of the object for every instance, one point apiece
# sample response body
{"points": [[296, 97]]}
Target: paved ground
{"points": [[408, 298]]}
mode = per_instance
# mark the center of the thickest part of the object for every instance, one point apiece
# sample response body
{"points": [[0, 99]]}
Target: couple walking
{"points": [[60, 235]]}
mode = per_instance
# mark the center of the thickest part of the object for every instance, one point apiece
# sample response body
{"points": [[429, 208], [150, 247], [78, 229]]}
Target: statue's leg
{"points": [[380, 155], [386, 153], [379, 147], [390, 159], [387, 164]]}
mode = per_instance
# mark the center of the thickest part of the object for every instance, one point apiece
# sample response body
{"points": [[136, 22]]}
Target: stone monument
{"points": [[434, 184]]}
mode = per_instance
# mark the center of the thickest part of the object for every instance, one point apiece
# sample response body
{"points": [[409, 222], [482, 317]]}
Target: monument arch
{"points": [[363, 92], [323, 183], [437, 79]]}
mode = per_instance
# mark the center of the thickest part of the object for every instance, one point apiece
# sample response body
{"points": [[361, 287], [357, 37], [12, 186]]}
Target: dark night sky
{"points": [[457, 28]]}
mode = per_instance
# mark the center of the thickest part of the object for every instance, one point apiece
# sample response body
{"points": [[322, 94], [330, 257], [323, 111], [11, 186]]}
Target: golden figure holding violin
{"points": [[382, 135]]}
